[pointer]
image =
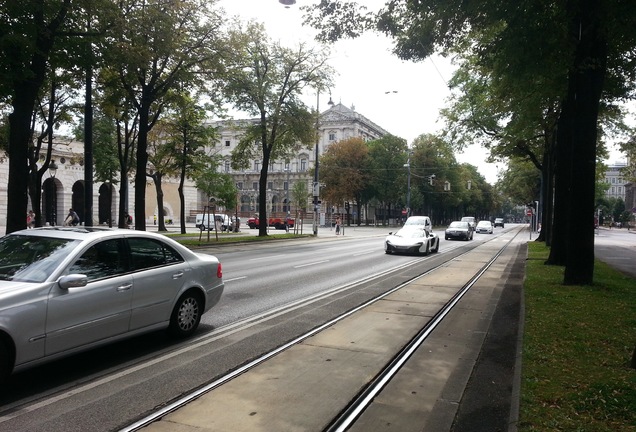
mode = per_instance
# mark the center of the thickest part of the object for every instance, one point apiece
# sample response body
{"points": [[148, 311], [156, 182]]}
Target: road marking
{"points": [[234, 279], [266, 257], [310, 264]]}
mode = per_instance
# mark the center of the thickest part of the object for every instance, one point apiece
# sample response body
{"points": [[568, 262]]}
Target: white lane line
{"points": [[266, 257], [310, 264], [234, 279]]}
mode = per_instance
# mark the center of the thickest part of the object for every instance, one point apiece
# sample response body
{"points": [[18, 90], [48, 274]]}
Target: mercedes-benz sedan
{"points": [[65, 290]]}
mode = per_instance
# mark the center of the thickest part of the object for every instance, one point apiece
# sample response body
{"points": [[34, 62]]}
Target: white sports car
{"points": [[411, 240]]}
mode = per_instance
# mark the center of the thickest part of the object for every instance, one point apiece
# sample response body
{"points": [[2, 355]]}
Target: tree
{"points": [[345, 171], [387, 180], [587, 45], [183, 153], [160, 46], [299, 195], [267, 80], [31, 34]]}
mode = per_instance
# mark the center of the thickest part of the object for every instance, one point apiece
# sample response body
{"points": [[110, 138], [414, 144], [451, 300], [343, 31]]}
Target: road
{"points": [[274, 292]]}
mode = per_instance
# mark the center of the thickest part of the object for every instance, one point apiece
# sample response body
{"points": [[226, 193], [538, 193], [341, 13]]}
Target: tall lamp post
{"points": [[316, 189], [407, 165]]}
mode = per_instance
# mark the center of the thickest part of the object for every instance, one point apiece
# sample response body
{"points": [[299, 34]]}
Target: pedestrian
{"points": [[31, 219], [71, 218], [337, 225]]}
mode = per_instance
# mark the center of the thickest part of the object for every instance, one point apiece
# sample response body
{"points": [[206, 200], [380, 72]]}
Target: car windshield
{"points": [[483, 224], [458, 225], [411, 233], [32, 259], [415, 221]]}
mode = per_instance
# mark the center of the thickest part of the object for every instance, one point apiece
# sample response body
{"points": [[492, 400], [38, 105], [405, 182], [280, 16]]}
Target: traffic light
{"points": [[347, 206]]}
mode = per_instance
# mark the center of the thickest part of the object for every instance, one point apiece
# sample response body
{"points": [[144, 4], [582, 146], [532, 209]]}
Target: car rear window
{"points": [[147, 253]]}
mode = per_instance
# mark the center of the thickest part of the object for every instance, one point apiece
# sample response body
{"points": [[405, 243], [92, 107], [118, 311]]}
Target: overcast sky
{"points": [[402, 97]]}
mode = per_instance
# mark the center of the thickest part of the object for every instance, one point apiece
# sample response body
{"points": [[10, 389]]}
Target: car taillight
{"points": [[219, 271]]}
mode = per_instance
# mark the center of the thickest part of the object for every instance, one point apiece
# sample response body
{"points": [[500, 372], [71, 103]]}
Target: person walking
{"points": [[337, 225]]}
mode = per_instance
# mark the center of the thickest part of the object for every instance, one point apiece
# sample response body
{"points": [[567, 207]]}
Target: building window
{"points": [[239, 185], [285, 186], [227, 143], [287, 166], [303, 165], [227, 166], [270, 185], [257, 166], [254, 185], [332, 136]]}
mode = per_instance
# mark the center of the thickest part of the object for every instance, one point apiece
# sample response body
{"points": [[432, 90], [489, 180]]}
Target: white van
{"points": [[204, 222]]}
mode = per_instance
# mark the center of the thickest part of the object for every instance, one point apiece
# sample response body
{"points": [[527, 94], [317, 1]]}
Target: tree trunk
{"points": [[586, 80], [142, 163]]}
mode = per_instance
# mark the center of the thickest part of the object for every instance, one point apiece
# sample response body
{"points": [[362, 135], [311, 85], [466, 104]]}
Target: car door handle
{"points": [[177, 275], [125, 287]]}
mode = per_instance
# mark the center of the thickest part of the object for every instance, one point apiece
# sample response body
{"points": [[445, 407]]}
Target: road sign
{"points": [[529, 212]]}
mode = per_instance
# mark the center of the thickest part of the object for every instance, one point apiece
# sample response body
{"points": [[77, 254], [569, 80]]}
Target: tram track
{"points": [[344, 419]]}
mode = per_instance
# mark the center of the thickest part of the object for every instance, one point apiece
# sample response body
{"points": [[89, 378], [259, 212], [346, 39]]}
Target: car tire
{"points": [[186, 314], [436, 248], [5, 362], [427, 251]]}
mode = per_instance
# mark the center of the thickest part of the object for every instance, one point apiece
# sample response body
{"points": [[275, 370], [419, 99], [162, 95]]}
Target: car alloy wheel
{"points": [[186, 315]]}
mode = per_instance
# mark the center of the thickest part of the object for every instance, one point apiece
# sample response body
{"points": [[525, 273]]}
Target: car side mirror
{"points": [[73, 281]]}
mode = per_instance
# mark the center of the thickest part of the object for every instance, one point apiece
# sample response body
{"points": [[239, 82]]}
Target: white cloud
{"points": [[367, 70]]}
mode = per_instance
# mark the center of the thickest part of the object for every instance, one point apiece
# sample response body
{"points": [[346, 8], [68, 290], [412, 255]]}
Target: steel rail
{"points": [[160, 413], [357, 406]]}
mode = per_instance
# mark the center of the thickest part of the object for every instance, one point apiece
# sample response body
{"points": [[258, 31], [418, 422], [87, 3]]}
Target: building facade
{"points": [[614, 177], [63, 187]]}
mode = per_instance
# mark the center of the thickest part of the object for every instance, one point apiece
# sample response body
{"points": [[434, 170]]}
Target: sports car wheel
{"points": [[186, 314], [436, 248]]}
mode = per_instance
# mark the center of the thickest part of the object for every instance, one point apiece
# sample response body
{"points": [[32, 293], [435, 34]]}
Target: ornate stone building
{"points": [[63, 187], [336, 123]]}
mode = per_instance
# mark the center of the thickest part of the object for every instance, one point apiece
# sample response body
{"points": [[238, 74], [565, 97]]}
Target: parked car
{"points": [[499, 222], [471, 221], [276, 222], [458, 230], [420, 222], [412, 240], [484, 226], [205, 222], [69, 289]]}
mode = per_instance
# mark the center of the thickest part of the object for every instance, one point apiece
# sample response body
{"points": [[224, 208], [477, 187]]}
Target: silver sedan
{"points": [[65, 290]]}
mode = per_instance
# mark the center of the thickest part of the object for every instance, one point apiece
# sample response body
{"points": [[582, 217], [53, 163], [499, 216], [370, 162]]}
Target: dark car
{"points": [[472, 222], [499, 222], [459, 230]]}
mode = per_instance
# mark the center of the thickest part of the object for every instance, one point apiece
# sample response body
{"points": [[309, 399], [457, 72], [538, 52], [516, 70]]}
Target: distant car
{"points": [[411, 240], [420, 222], [276, 222], [499, 222], [458, 230], [484, 226], [65, 290], [471, 221]]}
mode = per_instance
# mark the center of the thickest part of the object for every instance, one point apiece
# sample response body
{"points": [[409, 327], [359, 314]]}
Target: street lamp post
{"points": [[316, 188], [408, 185]]}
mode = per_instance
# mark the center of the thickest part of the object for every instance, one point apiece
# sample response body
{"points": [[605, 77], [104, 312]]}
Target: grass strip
{"points": [[577, 347]]}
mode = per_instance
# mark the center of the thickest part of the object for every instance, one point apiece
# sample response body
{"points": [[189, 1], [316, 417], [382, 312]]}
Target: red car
{"points": [[278, 223]]}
